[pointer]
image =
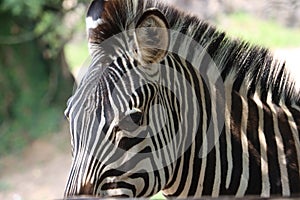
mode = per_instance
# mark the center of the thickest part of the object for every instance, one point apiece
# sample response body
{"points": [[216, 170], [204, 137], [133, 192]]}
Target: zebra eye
{"points": [[132, 120]]}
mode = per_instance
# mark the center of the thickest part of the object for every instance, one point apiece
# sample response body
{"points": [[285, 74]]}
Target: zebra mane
{"points": [[249, 64]]}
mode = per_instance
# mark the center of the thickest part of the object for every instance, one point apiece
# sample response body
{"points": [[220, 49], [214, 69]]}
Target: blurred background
{"points": [[43, 44]]}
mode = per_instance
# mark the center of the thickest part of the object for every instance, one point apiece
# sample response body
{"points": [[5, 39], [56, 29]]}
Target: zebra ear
{"points": [[93, 16], [152, 36], [93, 20]]}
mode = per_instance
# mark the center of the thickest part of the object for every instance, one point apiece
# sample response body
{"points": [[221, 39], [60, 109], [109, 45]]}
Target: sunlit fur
{"points": [[257, 151]]}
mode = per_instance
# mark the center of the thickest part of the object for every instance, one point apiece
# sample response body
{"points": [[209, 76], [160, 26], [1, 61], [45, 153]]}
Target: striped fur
{"points": [[256, 150]]}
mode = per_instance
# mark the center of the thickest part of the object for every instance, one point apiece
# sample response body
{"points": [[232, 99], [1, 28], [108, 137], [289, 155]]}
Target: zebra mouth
{"points": [[117, 189]]}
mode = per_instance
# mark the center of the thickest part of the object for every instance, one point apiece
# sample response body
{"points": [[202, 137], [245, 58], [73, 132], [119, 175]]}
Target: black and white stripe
{"points": [[208, 116]]}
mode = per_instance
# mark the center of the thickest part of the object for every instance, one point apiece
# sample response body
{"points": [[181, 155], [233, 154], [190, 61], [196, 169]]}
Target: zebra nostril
{"points": [[87, 189]]}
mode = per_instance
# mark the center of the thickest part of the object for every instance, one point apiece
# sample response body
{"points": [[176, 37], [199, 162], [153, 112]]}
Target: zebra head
{"points": [[116, 144], [170, 103]]}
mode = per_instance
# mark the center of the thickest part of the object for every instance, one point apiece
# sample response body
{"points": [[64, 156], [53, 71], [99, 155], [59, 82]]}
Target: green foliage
{"points": [[21, 8], [76, 54], [261, 32], [42, 19], [17, 134], [34, 81], [24, 84]]}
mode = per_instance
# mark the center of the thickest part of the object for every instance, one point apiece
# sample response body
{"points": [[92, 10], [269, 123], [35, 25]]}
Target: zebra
{"points": [[169, 103]]}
